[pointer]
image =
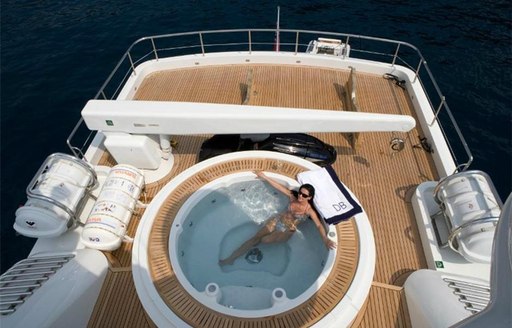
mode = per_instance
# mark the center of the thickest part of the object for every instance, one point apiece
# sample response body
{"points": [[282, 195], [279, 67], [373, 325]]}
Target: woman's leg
{"points": [[277, 237], [255, 240]]}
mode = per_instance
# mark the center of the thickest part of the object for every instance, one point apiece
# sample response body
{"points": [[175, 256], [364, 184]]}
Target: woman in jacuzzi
{"points": [[281, 227]]}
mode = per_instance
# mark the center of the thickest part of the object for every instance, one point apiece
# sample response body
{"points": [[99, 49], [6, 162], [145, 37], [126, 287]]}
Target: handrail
{"points": [[247, 43]]}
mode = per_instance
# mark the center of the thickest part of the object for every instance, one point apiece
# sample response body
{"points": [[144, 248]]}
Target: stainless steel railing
{"points": [[294, 41]]}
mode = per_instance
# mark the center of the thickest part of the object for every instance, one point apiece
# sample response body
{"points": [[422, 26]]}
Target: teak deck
{"points": [[381, 178]]}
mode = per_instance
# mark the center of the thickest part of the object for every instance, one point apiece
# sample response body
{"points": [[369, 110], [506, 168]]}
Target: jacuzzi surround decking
{"points": [[380, 178], [193, 312]]}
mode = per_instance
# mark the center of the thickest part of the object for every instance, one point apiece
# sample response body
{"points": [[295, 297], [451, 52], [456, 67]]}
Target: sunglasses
{"points": [[304, 195]]}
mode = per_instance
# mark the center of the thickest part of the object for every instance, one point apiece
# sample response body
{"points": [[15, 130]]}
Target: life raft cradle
{"points": [[54, 195], [50, 160], [455, 230]]}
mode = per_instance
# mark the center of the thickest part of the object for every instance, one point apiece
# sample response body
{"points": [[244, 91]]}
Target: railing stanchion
{"points": [[395, 55], [154, 48], [418, 69], [346, 47], [71, 135], [131, 63], [202, 44], [297, 43], [443, 99], [250, 42]]}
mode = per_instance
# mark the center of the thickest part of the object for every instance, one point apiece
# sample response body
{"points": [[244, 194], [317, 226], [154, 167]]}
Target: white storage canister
{"points": [[53, 197], [106, 226], [118, 196]]}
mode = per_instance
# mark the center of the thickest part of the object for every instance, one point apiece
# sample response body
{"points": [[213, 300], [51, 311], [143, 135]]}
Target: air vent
{"points": [[475, 297], [25, 277]]}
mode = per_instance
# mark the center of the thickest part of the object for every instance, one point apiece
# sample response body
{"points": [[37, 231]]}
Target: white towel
{"points": [[332, 199]]}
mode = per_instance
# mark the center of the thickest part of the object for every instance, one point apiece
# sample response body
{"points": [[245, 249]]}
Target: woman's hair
{"points": [[309, 188]]}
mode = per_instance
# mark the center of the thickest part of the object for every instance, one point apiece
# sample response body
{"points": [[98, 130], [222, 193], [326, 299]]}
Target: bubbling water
{"points": [[256, 199]]}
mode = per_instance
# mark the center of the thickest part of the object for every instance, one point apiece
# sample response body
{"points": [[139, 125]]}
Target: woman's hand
{"points": [[329, 243], [273, 183], [260, 174]]}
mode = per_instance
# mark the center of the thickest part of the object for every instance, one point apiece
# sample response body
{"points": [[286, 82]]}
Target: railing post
{"points": [[443, 100], [202, 44], [297, 43], [418, 69], [395, 55], [71, 135], [250, 42], [131, 63], [154, 48], [345, 47]]}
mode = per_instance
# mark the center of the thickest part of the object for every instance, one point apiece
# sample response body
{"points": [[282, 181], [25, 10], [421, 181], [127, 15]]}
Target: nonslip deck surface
{"points": [[381, 178]]}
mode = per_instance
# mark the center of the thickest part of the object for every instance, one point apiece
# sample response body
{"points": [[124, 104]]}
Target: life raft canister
{"points": [[106, 225]]}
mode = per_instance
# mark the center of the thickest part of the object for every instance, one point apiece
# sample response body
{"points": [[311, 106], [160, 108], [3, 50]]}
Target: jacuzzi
{"points": [[217, 219], [286, 276]]}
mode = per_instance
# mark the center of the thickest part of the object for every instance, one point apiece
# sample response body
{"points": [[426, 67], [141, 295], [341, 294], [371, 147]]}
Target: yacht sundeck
{"points": [[130, 225]]}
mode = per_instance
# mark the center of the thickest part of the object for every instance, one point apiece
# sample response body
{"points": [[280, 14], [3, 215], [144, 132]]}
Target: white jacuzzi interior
{"points": [[218, 221]]}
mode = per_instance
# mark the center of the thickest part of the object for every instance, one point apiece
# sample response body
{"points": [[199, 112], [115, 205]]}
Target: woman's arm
{"points": [[321, 229], [274, 183]]}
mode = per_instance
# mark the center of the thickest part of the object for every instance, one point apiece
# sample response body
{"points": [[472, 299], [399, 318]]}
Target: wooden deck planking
{"points": [[118, 304], [386, 307], [219, 85], [297, 88], [381, 180]]}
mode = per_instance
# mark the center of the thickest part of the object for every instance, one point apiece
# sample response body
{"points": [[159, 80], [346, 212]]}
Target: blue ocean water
{"points": [[55, 55]]}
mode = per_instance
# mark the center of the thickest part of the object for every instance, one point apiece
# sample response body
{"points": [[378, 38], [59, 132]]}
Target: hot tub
{"points": [[270, 278], [272, 284]]}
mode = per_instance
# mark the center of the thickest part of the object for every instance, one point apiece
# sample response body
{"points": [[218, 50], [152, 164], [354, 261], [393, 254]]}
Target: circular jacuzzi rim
{"points": [[342, 314], [201, 297]]}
